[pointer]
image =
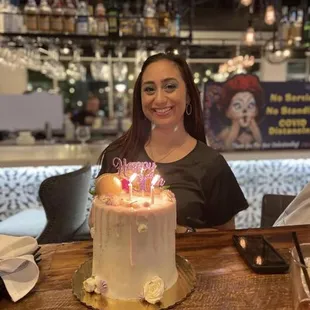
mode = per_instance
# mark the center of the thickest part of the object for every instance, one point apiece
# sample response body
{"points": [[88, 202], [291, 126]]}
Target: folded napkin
{"points": [[18, 269]]}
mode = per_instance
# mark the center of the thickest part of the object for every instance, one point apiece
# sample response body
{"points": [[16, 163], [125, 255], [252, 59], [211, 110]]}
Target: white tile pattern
{"points": [[19, 186]]}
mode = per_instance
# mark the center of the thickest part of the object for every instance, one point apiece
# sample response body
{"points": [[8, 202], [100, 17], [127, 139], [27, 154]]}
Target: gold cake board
{"points": [[176, 294]]}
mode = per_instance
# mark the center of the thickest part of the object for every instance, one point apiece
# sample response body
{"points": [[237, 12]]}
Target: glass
{"points": [[76, 70], [301, 295], [83, 134]]}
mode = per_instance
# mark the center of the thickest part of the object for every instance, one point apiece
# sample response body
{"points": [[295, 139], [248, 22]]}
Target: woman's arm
{"points": [[223, 196], [228, 225]]}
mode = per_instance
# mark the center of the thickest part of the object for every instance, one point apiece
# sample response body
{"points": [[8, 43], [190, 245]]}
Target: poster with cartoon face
{"points": [[232, 112]]}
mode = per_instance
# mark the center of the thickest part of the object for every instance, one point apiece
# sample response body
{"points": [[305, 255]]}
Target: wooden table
{"points": [[224, 281]]}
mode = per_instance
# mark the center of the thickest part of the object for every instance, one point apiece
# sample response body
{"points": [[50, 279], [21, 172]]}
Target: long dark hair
{"points": [[136, 137]]}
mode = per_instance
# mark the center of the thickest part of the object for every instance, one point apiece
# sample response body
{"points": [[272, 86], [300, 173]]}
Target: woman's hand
{"points": [[232, 135], [255, 131]]}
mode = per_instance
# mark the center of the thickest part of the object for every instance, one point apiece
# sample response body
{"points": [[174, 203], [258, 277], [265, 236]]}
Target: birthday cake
{"points": [[134, 222]]}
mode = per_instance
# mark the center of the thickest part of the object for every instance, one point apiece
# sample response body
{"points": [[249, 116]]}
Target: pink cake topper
{"points": [[145, 170]]}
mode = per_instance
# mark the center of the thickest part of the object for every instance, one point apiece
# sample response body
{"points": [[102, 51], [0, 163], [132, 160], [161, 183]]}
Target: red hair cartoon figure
{"points": [[241, 101]]}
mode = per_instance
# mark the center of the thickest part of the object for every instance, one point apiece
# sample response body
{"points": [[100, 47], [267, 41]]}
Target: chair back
{"points": [[272, 207], [64, 198]]}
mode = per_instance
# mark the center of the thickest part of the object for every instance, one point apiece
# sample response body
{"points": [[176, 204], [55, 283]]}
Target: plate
{"points": [[176, 294]]}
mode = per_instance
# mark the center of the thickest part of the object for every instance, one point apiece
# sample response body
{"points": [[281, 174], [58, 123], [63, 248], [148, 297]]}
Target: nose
{"points": [[244, 111], [160, 98]]}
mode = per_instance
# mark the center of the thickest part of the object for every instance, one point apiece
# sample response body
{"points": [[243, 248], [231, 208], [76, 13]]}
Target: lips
{"points": [[162, 111]]}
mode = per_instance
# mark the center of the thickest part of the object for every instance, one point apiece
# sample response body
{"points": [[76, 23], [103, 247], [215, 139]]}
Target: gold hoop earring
{"points": [[188, 109]]}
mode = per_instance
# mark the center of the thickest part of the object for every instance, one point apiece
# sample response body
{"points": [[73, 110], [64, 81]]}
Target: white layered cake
{"points": [[133, 241]]}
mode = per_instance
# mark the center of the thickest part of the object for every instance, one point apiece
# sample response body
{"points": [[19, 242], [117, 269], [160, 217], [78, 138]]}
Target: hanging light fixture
{"points": [[250, 35], [270, 15], [246, 2]]}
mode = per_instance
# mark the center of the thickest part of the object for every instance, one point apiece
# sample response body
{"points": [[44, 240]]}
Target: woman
{"points": [[167, 128]]}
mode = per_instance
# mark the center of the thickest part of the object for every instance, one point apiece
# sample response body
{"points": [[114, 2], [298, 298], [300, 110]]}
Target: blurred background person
{"points": [[88, 114]]}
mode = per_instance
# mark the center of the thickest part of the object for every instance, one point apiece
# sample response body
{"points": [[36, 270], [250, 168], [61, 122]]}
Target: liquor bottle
{"points": [[138, 8], [292, 21], [45, 12], [101, 19], [306, 30], [176, 22], [7, 11], [82, 21], [284, 27], [126, 21], [92, 23], [138, 20], [113, 19], [18, 20], [69, 17], [57, 17], [31, 16], [163, 19], [150, 20], [298, 27], [139, 27], [1, 17]]}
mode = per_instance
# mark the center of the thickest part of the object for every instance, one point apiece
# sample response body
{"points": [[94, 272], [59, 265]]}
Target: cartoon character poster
{"points": [[232, 113]]}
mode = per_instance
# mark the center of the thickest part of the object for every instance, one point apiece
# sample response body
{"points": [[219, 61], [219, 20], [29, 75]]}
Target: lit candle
{"points": [[131, 179], [154, 180], [142, 183]]}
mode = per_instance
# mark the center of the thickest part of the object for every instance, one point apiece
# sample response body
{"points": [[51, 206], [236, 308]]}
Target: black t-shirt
{"points": [[205, 188]]}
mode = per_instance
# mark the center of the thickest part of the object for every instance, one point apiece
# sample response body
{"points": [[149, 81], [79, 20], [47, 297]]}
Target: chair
{"points": [[64, 198], [272, 207]]}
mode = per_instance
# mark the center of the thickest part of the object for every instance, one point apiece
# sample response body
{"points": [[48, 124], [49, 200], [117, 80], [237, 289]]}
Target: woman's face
{"points": [[163, 94], [242, 108]]}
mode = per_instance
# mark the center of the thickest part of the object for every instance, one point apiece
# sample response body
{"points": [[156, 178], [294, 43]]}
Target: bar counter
{"points": [[50, 154], [23, 168], [77, 154], [223, 279]]}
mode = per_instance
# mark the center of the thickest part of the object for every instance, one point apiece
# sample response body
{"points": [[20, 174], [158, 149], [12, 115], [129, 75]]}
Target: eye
{"points": [[149, 90], [237, 106], [252, 105], [170, 87]]}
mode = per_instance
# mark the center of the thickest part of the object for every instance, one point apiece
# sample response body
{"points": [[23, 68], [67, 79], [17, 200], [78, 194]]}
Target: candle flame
{"points": [[132, 178], [155, 179]]}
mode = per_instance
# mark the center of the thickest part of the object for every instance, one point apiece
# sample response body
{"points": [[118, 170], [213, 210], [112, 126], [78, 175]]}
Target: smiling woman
{"points": [[167, 128]]}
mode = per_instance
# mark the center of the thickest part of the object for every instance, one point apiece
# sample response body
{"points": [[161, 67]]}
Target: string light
{"points": [[250, 36], [286, 53], [237, 64], [270, 15]]}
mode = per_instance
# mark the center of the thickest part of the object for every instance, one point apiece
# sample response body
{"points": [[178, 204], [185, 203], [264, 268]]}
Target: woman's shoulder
{"points": [[112, 151], [107, 156], [209, 160], [206, 153]]}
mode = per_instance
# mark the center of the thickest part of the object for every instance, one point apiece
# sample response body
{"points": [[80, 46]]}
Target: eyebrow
{"points": [[162, 81]]}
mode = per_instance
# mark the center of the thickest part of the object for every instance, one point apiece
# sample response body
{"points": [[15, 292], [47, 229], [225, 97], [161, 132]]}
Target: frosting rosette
{"points": [[153, 290], [95, 285], [101, 286], [89, 284]]}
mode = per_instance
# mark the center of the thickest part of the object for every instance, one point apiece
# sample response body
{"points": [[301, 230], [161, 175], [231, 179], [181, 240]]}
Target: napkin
{"points": [[18, 269], [298, 211]]}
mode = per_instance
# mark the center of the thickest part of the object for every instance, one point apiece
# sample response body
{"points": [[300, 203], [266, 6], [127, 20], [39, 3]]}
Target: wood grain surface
{"points": [[223, 279]]}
